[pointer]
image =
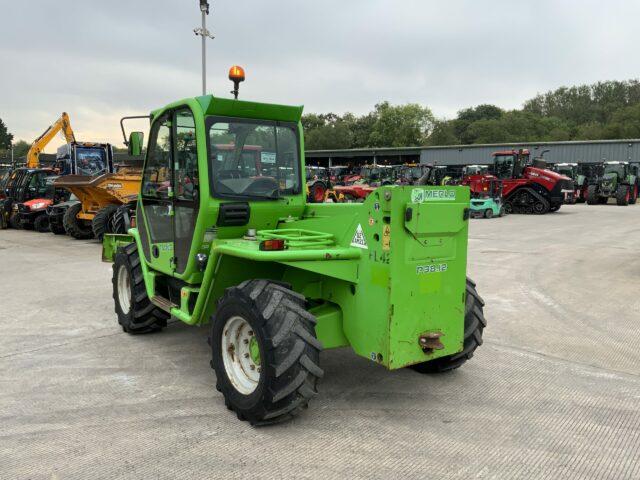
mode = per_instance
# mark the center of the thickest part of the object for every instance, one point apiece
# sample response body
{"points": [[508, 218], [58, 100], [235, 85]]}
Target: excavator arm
{"points": [[62, 124]]}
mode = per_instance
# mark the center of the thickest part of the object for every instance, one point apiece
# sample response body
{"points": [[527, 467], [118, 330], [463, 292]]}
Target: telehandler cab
{"points": [[281, 279]]}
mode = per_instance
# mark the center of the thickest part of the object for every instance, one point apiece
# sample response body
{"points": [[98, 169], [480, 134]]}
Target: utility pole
{"points": [[204, 33]]}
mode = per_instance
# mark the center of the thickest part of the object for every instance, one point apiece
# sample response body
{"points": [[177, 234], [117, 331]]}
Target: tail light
{"points": [[272, 245]]}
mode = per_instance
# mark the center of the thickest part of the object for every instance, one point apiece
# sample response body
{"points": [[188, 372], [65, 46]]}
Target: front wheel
{"points": [[474, 324], [74, 226], [592, 195], [41, 224], [14, 221], [488, 213], [101, 223], [136, 313], [264, 351]]}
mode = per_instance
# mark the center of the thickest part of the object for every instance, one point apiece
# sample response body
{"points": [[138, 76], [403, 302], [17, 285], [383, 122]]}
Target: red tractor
{"points": [[529, 187]]}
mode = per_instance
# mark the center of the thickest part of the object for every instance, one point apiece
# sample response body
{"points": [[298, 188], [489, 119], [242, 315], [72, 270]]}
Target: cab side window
{"points": [[156, 181], [186, 165]]}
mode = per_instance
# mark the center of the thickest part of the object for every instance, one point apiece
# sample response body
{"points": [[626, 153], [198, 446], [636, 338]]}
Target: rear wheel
{"points": [[74, 226], [101, 222], [488, 213], [136, 313], [634, 195], [264, 351], [622, 195], [318, 190], [41, 223], [474, 324]]}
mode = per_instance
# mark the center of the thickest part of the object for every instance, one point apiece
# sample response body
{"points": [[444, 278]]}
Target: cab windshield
{"points": [[254, 159], [566, 171], [90, 161], [614, 168]]}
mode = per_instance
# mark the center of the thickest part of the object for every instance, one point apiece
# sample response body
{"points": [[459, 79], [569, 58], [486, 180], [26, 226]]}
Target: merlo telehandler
{"points": [[280, 279]]}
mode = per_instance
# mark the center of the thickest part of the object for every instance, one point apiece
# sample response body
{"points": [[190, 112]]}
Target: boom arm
{"points": [[62, 124]]}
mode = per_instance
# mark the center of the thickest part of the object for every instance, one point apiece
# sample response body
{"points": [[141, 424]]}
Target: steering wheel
{"points": [[226, 174], [262, 185]]}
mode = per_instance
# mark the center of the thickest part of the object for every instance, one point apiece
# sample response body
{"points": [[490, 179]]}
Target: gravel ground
{"points": [[554, 392]]}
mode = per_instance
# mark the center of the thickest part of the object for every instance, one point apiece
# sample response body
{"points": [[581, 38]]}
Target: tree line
{"points": [[603, 110]]}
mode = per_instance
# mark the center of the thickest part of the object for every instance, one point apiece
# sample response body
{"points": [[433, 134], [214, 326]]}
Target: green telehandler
{"points": [[230, 241]]}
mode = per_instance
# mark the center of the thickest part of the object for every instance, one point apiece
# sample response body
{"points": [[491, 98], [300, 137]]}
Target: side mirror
{"points": [[134, 145]]}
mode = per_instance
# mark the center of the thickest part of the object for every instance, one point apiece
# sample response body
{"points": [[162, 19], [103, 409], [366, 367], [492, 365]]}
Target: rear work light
{"points": [[272, 245]]}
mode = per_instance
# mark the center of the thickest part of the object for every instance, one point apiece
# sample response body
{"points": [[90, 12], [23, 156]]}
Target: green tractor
{"points": [[234, 243], [619, 180]]}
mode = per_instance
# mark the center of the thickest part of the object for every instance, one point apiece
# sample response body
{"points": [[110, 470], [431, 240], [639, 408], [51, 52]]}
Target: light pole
{"points": [[204, 33]]}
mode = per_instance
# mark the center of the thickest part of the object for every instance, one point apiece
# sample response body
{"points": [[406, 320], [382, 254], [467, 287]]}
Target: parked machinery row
{"points": [[512, 183], [83, 194]]}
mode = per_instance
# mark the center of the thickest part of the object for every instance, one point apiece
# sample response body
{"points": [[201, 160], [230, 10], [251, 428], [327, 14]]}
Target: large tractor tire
{"points": [[41, 224], [474, 324], [622, 195], [14, 221], [136, 313], [264, 351], [592, 195], [317, 192], [633, 198], [101, 222], [74, 226], [121, 218], [56, 229]]}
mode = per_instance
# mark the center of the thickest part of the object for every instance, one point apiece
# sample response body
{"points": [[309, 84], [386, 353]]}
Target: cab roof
{"points": [[228, 107]]}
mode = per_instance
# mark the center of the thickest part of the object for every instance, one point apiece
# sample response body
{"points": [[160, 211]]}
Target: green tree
{"points": [[625, 123], [443, 133], [327, 131], [468, 116], [401, 125], [20, 149], [5, 137]]}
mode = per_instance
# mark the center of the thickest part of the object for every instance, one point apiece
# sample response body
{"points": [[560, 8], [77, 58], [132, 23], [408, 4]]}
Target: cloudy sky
{"points": [[100, 60]]}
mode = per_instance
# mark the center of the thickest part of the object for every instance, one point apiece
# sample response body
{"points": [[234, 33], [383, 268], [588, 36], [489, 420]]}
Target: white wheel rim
{"points": [[124, 289], [237, 338]]}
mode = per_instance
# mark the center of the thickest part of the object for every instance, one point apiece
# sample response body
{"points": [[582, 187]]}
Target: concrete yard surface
{"points": [[553, 393]]}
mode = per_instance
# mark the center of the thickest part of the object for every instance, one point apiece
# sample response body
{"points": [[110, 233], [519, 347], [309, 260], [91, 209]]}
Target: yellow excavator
{"points": [[62, 124]]}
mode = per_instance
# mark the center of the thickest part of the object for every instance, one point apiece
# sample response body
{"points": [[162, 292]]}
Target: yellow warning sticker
{"points": [[386, 238]]}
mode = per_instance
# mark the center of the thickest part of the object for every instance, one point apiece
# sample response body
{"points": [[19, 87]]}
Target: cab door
{"points": [[156, 197], [186, 186]]}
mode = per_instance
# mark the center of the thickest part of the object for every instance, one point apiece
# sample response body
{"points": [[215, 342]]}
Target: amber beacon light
{"points": [[236, 75]]}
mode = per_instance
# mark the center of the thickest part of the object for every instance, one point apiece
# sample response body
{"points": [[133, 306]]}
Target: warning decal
{"points": [[358, 238]]}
